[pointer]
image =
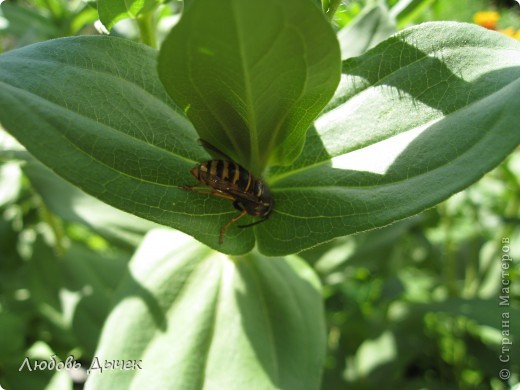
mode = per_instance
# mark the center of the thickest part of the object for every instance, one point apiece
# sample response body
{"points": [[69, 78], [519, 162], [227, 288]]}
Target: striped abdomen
{"points": [[224, 175]]}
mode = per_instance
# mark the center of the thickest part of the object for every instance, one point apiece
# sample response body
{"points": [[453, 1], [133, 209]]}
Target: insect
{"points": [[226, 179]]}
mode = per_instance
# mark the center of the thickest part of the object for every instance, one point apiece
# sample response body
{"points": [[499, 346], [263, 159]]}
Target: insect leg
{"points": [[224, 228], [190, 188]]}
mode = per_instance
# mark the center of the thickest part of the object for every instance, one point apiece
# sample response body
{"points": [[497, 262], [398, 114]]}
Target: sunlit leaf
{"points": [[192, 316], [416, 119]]}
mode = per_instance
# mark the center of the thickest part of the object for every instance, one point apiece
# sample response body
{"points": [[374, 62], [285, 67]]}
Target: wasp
{"points": [[228, 180]]}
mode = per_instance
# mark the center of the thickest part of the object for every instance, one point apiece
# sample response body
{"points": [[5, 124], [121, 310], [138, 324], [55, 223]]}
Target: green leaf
{"points": [[197, 319], [94, 110], [251, 75], [65, 200], [112, 11], [373, 25], [74, 205], [416, 119]]}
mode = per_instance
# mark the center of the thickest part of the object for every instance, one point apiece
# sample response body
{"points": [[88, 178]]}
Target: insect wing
{"points": [[241, 195]]}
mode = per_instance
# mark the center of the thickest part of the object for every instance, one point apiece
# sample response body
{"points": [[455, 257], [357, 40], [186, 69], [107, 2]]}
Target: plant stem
{"points": [[146, 25], [55, 225]]}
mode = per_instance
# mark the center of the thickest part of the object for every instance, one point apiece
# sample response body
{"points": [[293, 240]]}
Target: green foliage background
{"points": [[411, 305]]}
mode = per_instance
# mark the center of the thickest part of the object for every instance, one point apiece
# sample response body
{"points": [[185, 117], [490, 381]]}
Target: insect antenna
{"points": [[213, 150], [252, 224]]}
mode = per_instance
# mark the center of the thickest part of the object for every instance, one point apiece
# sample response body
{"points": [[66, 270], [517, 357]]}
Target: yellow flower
{"points": [[487, 19], [511, 32]]}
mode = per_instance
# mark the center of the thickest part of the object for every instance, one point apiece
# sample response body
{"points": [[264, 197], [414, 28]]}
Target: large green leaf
{"points": [[196, 319], [93, 110], [252, 75], [421, 116], [416, 119]]}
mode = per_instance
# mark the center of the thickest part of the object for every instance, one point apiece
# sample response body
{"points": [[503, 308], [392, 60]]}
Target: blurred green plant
{"points": [[26, 22], [416, 117]]}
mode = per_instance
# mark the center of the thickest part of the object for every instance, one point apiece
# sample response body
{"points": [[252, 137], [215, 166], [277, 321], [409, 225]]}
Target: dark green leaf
{"points": [[74, 205], [416, 119], [93, 109], [252, 75], [198, 319]]}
